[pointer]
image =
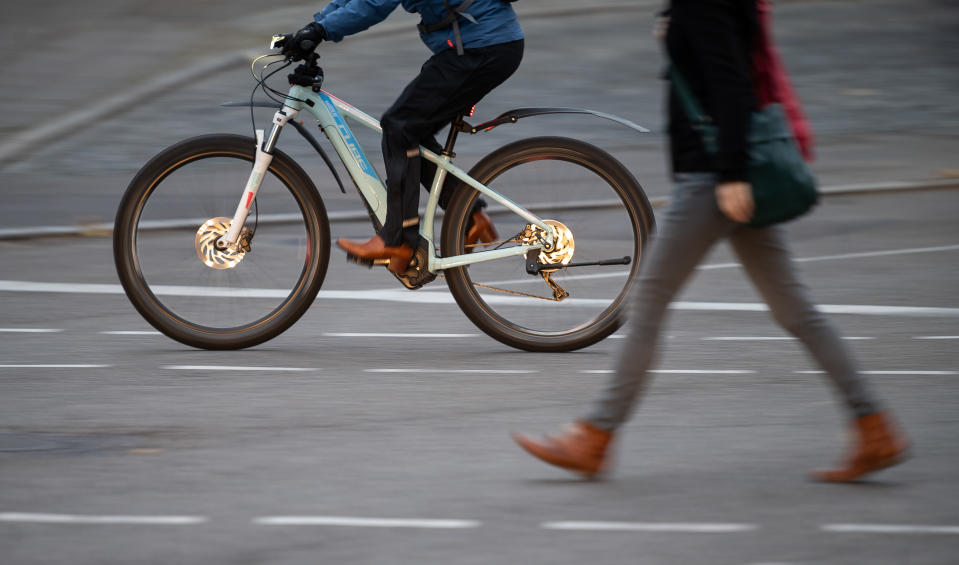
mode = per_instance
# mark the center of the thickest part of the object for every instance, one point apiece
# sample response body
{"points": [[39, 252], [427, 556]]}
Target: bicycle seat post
{"points": [[455, 127]]}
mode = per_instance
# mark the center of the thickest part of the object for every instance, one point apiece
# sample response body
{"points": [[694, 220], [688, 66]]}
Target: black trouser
{"points": [[448, 85]]}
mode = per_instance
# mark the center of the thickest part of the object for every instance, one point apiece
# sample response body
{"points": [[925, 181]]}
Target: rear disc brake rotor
{"points": [[563, 244]]}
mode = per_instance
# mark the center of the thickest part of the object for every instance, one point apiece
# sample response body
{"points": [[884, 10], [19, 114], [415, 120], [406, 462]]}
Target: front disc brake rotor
{"points": [[207, 236]]}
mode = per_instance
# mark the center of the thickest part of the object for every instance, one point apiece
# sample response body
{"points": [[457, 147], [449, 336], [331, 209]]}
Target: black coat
{"points": [[709, 42]]}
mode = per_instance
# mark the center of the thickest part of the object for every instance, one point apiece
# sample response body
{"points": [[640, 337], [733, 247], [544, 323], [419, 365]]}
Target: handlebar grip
{"points": [[307, 46]]}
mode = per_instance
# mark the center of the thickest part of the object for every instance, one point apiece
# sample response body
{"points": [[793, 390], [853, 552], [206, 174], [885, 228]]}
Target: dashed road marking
{"points": [[235, 368], [30, 330], [392, 335], [677, 527], [888, 372], [889, 529], [53, 366], [366, 522], [679, 371], [457, 371], [29, 517], [936, 337], [773, 338]]}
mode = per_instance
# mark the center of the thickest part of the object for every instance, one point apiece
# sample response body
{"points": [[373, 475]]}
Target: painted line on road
{"points": [[30, 517], [232, 368], [888, 372], [30, 330], [235, 368], [366, 522], [407, 297], [53, 366], [773, 338], [679, 371], [458, 371], [392, 335], [936, 337], [131, 332], [677, 527], [889, 529]]}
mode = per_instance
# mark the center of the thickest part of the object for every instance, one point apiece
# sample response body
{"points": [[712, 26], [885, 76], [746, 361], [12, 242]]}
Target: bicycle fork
{"points": [[264, 156]]}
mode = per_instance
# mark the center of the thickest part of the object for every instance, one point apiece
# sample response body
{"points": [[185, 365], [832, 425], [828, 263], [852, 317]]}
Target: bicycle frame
{"points": [[329, 112]]}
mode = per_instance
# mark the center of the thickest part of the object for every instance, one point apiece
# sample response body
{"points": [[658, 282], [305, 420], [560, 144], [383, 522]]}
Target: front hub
{"points": [[214, 256]]}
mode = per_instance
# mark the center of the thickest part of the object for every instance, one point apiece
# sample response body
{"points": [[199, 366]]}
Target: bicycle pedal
{"points": [[368, 263]]}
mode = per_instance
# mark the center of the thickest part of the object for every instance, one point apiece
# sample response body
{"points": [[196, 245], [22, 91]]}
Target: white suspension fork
{"points": [[264, 156]]}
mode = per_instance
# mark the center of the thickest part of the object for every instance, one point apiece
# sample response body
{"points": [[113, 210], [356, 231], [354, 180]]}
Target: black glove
{"points": [[300, 44]]}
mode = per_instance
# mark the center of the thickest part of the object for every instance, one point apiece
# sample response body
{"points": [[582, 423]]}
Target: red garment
{"points": [[772, 82]]}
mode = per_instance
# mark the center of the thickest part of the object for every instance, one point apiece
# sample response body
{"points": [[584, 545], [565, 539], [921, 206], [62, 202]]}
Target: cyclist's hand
{"points": [[300, 44]]}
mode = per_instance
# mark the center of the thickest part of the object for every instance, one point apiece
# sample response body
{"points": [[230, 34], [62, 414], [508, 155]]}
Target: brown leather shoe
{"points": [[399, 256], [877, 445], [580, 448], [481, 230]]}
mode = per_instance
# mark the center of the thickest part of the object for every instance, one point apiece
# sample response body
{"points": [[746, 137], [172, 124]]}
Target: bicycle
{"points": [[197, 270]]}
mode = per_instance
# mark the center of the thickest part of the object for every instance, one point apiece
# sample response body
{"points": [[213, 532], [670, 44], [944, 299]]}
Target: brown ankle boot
{"points": [[399, 256], [482, 229], [877, 445], [581, 448]]}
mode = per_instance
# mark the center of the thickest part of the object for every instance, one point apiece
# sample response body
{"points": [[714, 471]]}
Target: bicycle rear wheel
{"points": [[604, 216], [165, 254]]}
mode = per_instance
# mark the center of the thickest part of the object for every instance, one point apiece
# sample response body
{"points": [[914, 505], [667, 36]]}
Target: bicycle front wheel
{"points": [[603, 219], [166, 256]]}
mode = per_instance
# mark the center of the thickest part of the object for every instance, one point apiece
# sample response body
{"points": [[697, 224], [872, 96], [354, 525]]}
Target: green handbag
{"points": [[783, 186]]}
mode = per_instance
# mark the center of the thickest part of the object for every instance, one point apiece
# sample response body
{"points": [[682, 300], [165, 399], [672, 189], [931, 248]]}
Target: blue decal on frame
{"points": [[351, 143]]}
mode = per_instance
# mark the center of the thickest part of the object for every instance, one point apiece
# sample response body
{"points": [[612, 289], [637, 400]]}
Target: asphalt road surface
{"points": [[340, 443], [376, 430]]}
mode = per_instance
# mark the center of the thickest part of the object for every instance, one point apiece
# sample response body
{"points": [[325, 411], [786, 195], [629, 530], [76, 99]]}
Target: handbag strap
{"points": [[698, 119]]}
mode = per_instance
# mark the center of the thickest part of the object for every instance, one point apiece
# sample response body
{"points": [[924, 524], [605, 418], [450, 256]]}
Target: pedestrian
{"points": [[710, 42], [476, 45]]}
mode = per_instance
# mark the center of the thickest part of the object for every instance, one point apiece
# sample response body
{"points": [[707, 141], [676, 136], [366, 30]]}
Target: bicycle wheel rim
{"points": [[578, 190], [173, 275]]}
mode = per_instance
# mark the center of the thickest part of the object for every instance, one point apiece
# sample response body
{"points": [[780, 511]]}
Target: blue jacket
{"points": [[495, 20]]}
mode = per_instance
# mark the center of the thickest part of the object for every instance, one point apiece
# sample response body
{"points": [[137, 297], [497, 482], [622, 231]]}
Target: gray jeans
{"points": [[687, 230]]}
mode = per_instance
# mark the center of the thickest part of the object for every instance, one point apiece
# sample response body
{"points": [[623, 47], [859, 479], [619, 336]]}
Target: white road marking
{"points": [[399, 295], [937, 337], [864, 254], [449, 371], [889, 372], [679, 527], [235, 368], [53, 366], [29, 517], [889, 529], [681, 371], [426, 335], [772, 338], [30, 330], [864, 309], [132, 332], [365, 522], [859, 255]]}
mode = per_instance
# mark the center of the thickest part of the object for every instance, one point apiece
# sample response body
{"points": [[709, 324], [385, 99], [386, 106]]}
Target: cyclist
{"points": [[476, 45]]}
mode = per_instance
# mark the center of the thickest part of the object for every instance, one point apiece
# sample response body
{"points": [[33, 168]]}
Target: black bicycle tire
{"points": [[461, 206], [169, 323]]}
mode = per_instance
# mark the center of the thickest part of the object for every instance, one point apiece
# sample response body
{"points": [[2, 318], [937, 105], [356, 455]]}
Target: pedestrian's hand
{"points": [[735, 200]]}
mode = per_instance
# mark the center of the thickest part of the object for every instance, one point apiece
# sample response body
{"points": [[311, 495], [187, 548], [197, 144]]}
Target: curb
{"points": [[106, 229]]}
